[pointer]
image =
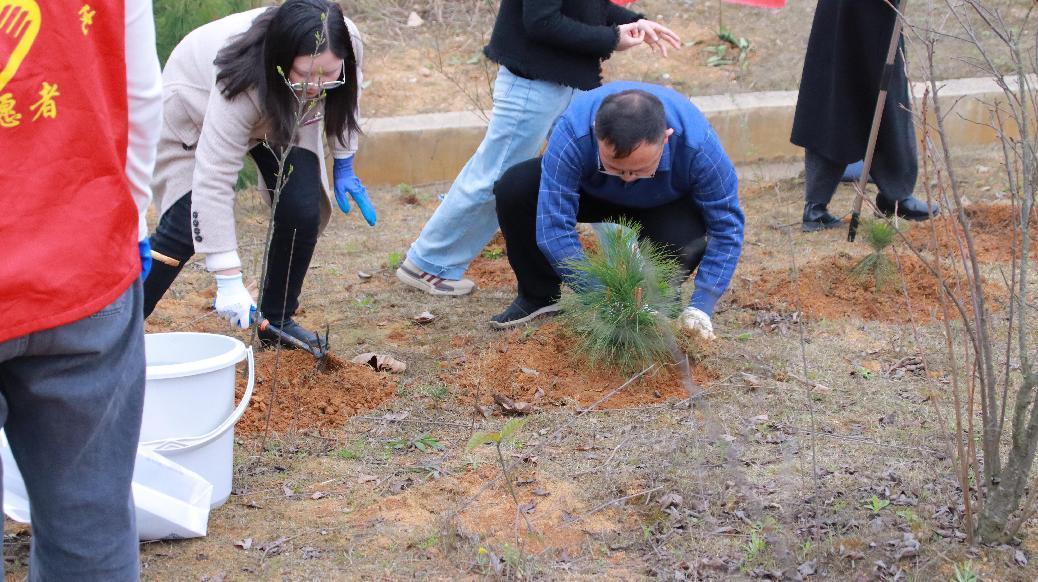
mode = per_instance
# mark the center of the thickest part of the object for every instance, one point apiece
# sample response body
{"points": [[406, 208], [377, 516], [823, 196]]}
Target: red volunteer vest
{"points": [[68, 223]]}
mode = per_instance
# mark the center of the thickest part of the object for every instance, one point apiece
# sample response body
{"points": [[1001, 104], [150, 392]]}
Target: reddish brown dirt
{"points": [[993, 231], [308, 398], [547, 360], [490, 270], [827, 291]]}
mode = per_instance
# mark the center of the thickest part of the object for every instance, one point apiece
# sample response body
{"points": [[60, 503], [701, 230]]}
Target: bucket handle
{"points": [[180, 444]]}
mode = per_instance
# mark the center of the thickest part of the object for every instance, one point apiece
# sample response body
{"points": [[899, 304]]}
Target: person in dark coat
{"points": [[845, 57]]}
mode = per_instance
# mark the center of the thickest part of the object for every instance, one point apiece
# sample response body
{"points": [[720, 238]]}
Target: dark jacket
{"points": [[842, 69], [561, 41]]}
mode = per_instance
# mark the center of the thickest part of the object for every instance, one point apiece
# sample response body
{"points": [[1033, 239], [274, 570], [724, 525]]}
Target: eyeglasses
{"points": [[327, 86], [630, 174]]}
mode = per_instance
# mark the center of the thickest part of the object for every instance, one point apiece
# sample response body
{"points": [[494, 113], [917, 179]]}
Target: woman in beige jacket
{"points": [[237, 86]]}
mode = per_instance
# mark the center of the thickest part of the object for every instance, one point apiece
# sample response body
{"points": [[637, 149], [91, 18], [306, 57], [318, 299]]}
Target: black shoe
{"points": [[910, 208], [521, 311], [291, 335], [817, 217]]}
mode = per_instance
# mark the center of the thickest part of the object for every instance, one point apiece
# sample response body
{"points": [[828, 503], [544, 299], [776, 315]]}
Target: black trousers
{"points": [[894, 165], [298, 216], [677, 227]]}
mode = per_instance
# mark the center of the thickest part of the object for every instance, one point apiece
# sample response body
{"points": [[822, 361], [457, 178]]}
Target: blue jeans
{"points": [[524, 112], [70, 401]]}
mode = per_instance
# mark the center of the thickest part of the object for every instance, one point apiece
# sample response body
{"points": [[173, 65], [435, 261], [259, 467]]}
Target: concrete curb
{"points": [[753, 127]]}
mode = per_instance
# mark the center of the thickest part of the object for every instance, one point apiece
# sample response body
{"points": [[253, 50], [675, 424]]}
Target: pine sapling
{"points": [[879, 234], [622, 289]]}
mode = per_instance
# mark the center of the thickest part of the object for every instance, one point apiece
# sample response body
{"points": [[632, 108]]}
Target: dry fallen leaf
{"points": [[396, 416], [752, 380], [310, 553], [424, 318], [244, 544], [485, 411], [413, 20], [362, 478], [364, 275], [318, 495], [252, 505], [509, 406], [540, 492], [671, 500], [528, 507], [381, 362], [529, 371], [287, 491], [273, 548]]}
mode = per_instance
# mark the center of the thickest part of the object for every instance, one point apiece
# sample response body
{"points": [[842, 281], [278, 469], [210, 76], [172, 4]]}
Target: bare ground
{"points": [[772, 477]]}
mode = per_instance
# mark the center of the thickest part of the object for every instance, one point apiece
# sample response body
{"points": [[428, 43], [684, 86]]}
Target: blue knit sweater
{"points": [[693, 164]]}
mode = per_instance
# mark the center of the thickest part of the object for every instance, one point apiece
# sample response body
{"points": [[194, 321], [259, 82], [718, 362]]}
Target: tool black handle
{"points": [[852, 230]]}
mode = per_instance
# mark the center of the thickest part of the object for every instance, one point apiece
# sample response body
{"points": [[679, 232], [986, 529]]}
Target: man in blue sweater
{"points": [[631, 150]]}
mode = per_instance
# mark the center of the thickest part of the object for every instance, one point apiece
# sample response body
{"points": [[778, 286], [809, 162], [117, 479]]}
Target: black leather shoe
{"points": [[817, 217], [291, 335], [910, 208]]}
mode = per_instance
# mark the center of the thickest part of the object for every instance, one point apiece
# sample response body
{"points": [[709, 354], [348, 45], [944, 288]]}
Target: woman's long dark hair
{"points": [[274, 40]]}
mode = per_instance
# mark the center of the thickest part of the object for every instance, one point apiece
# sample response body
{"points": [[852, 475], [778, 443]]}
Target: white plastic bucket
{"points": [[171, 502], [189, 412]]}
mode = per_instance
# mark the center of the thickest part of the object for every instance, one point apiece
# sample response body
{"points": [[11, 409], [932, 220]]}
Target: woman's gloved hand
{"points": [[233, 301], [347, 182]]}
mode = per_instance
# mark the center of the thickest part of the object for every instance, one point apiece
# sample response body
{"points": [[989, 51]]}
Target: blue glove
{"points": [[348, 182], [144, 247]]}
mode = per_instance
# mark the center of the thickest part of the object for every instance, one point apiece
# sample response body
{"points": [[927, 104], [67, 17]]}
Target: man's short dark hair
{"points": [[626, 119]]}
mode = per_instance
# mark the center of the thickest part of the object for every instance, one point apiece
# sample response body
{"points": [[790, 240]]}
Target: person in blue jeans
{"points": [[625, 150], [548, 51]]}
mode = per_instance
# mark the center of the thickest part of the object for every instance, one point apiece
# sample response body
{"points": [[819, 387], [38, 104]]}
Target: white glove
{"points": [[697, 322], [233, 301]]}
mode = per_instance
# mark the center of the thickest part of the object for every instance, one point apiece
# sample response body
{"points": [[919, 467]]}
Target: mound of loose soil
{"points": [[545, 368], [492, 273], [828, 291], [308, 398], [993, 227], [491, 270]]}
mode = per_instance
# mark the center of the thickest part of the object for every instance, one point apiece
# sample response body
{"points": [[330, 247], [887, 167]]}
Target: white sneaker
{"points": [[410, 274]]}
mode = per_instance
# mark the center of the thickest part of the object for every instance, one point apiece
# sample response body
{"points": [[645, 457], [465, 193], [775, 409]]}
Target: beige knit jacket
{"points": [[205, 138]]}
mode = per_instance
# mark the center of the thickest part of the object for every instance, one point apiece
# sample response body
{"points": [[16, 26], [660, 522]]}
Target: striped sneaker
{"points": [[410, 274]]}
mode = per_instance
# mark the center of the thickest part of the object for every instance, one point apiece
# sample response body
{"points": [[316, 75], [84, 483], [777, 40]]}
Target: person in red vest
{"points": [[80, 113]]}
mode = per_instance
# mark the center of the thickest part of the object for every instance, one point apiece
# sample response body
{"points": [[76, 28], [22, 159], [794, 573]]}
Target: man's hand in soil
{"points": [[233, 301], [631, 35], [695, 321], [658, 36], [347, 182]]}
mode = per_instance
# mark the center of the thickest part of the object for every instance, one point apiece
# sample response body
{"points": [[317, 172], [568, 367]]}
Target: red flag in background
{"points": [[623, 2], [760, 3]]}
